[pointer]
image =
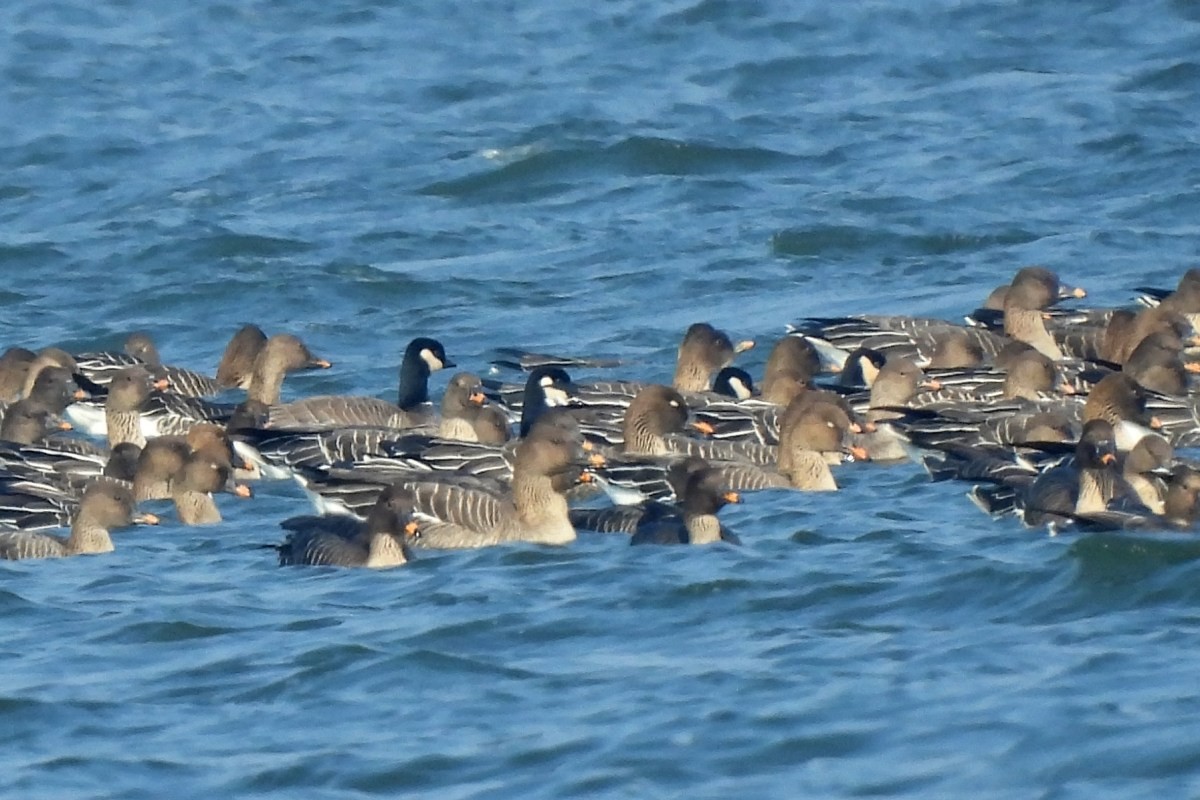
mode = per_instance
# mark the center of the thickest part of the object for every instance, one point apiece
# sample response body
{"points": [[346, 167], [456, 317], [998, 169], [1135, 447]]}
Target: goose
{"points": [[105, 506], [421, 357], [192, 487], [139, 349], [695, 521], [29, 421], [380, 541], [1083, 486], [547, 463]]}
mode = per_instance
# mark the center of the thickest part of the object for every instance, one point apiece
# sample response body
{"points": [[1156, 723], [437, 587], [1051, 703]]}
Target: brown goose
{"points": [[140, 346], [381, 541], [128, 391], [462, 406], [695, 521], [192, 487], [1053, 288], [1084, 486], [29, 421], [105, 506], [547, 463], [1157, 364], [702, 353], [792, 364], [14, 368], [1030, 293], [281, 354], [1121, 402], [236, 368], [894, 387], [1143, 469], [812, 435]]}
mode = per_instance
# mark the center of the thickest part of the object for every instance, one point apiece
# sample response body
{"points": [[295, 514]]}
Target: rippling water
{"points": [[590, 178]]}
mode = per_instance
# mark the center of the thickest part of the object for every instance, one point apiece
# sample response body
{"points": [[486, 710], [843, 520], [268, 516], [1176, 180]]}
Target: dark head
{"points": [[734, 382], [1097, 448], [237, 363], [140, 345], [130, 388], [546, 387], [705, 492], [703, 351], [422, 357]]}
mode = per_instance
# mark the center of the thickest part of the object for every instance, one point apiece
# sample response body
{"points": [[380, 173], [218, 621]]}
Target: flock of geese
{"points": [[1063, 416]]}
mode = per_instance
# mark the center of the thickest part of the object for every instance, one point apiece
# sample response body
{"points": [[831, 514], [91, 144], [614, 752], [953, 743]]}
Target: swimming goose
{"points": [[1120, 401], [625, 518], [1028, 295], [236, 368], [280, 354], [29, 421], [895, 386], [547, 464], [66, 471], [1157, 364], [190, 383], [192, 487], [128, 391], [1055, 289], [139, 349], [793, 361], [421, 357], [1184, 299], [695, 521], [1144, 468], [1180, 508], [169, 454], [167, 413], [463, 419], [813, 435], [104, 507], [381, 541], [1084, 486], [14, 367], [462, 406], [703, 352], [351, 487]]}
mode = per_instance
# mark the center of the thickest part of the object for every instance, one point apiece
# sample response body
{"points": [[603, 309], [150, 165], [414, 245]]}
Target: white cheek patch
{"points": [[739, 389], [433, 361], [869, 370], [547, 381], [555, 397]]}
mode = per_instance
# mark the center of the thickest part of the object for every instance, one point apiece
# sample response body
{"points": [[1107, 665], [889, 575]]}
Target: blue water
{"points": [[590, 178]]}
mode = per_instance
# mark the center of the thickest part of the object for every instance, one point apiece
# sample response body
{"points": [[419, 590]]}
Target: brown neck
{"points": [[196, 508]]}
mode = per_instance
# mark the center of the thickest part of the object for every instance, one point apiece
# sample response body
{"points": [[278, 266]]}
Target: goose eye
{"points": [[674, 404]]}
